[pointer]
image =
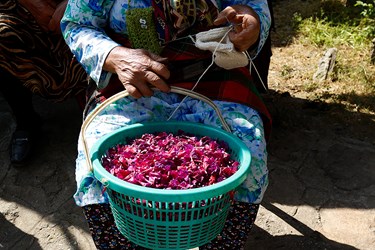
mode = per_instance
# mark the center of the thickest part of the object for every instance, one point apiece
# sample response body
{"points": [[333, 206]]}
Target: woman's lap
{"points": [[244, 121]]}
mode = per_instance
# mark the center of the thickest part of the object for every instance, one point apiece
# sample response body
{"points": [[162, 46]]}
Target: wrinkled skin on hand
{"points": [[246, 25], [138, 70]]}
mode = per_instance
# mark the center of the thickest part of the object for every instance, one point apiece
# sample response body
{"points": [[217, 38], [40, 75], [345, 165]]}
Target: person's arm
{"points": [[54, 23], [83, 26], [83, 29], [255, 15], [42, 11], [47, 13]]}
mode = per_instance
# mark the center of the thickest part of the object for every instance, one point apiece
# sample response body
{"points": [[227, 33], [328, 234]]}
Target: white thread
{"points": [[191, 37], [201, 76], [232, 64], [252, 64]]}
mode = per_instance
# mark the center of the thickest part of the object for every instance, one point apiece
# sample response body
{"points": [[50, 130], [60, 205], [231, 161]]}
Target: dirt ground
{"points": [[321, 160], [321, 153], [292, 67]]}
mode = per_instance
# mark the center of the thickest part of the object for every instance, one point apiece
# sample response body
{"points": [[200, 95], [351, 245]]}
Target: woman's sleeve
{"points": [[83, 26], [261, 8]]}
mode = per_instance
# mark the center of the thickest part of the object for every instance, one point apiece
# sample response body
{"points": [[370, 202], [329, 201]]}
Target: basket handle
{"points": [[90, 117]]}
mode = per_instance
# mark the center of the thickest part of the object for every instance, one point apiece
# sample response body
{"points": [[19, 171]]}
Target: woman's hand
{"points": [[138, 70], [246, 25]]}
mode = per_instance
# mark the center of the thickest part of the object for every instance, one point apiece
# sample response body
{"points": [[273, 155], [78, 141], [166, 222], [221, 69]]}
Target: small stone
{"points": [[326, 65]]}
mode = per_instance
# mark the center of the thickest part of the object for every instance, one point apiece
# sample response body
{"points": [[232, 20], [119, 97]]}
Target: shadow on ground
{"points": [[260, 239], [322, 175], [24, 240], [328, 149], [37, 197]]}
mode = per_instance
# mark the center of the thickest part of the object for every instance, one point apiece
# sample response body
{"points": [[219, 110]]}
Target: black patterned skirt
{"points": [[237, 227], [42, 62]]}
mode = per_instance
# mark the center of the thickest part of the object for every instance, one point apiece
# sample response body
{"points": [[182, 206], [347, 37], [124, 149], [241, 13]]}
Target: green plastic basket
{"points": [[170, 219], [167, 219]]}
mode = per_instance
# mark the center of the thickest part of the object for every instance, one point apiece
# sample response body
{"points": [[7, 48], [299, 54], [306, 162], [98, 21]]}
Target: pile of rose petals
{"points": [[167, 161]]}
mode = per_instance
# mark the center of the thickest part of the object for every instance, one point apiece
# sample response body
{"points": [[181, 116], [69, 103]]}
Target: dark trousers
{"points": [[19, 99]]}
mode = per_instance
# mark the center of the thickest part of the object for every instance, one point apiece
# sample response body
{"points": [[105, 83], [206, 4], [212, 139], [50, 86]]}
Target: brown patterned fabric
{"points": [[42, 62], [175, 17]]}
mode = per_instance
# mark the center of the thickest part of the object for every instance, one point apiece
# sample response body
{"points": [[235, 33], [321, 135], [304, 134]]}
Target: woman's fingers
{"points": [[160, 69], [156, 79], [133, 91], [226, 16], [138, 70], [246, 34], [140, 83], [246, 25]]}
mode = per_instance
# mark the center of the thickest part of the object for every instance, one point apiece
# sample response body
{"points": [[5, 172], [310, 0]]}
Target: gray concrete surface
{"points": [[321, 193]]}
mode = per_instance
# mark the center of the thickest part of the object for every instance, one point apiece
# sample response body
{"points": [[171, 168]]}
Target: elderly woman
{"points": [[34, 59], [147, 46]]}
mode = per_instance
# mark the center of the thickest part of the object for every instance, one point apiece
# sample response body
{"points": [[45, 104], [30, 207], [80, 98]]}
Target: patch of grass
{"points": [[286, 71], [321, 33], [350, 29], [331, 29], [311, 86]]}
